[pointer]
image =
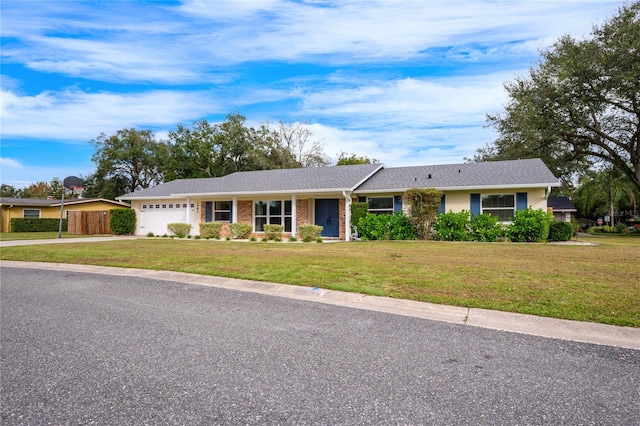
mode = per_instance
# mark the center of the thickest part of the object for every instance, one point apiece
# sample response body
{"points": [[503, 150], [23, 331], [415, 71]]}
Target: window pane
{"points": [[287, 208], [261, 208], [31, 214], [222, 205], [275, 220], [381, 203], [287, 224], [498, 200], [222, 217], [275, 208], [504, 214], [260, 222]]}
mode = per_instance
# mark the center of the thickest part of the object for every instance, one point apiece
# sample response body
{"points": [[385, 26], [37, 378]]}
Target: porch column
{"points": [[347, 215], [189, 210], [294, 216], [234, 210]]}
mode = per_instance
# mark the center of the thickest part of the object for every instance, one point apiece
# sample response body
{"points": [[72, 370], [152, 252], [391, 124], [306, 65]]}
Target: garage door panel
{"points": [[156, 221]]}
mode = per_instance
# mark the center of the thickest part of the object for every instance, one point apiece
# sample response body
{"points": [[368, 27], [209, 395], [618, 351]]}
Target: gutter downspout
{"points": [[347, 215]]}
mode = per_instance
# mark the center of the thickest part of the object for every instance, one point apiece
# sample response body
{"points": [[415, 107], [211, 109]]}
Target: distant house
{"points": [[12, 208], [323, 195], [561, 207]]}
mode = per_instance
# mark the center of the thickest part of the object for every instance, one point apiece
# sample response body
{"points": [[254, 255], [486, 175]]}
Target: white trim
{"points": [[294, 216], [461, 188]]}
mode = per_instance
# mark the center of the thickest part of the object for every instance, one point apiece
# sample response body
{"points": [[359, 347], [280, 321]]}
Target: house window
{"points": [[222, 211], [380, 205], [272, 213], [501, 205], [144, 206], [31, 213]]}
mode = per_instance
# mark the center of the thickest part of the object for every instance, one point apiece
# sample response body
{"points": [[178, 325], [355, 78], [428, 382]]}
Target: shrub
{"points": [[309, 232], [423, 205], [37, 225], [358, 211], [621, 228], [271, 232], [602, 230], [396, 226], [529, 226], [150, 234], [210, 229], [485, 228], [560, 231], [122, 221], [180, 230], [452, 226], [240, 231]]}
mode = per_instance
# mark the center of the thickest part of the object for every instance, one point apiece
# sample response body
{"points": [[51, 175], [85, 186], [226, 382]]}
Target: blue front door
{"points": [[327, 217]]}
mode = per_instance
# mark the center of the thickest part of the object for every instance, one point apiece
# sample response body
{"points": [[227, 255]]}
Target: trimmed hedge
{"points": [[394, 226], [273, 232], [180, 230], [240, 230], [37, 225], [452, 226], [122, 221], [358, 211], [560, 231], [529, 226], [310, 233], [210, 229]]}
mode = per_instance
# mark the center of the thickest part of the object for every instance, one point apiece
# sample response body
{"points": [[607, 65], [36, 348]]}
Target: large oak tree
{"points": [[580, 106]]}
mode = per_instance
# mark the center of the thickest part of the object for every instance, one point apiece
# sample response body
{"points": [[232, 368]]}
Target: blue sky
{"points": [[404, 82]]}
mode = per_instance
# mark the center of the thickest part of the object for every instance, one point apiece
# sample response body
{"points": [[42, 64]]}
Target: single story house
{"points": [[561, 207], [323, 195], [39, 208]]}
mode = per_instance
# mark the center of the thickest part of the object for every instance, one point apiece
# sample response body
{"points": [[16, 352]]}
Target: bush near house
{"points": [[529, 226], [452, 226], [560, 231], [485, 228], [240, 231], [210, 229], [180, 230], [37, 225], [310, 233], [273, 232], [358, 211], [395, 226], [122, 221]]}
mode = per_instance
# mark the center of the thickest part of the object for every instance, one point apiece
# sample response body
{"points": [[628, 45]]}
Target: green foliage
{"points": [[272, 232], [396, 226], [485, 228], [309, 232], [179, 230], [560, 231], [240, 231], [122, 221], [423, 207], [529, 226], [452, 226], [37, 225], [150, 234], [603, 230], [358, 211], [350, 159], [210, 229], [579, 106]]}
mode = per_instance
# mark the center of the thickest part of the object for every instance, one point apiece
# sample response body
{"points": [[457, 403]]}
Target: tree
{"points": [[96, 186], [131, 156], [423, 205], [349, 159], [9, 191], [298, 140], [605, 192], [37, 190], [581, 104]]}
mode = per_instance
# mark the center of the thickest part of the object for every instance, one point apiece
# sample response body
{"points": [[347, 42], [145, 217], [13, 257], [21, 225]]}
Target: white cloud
{"points": [[10, 163]]}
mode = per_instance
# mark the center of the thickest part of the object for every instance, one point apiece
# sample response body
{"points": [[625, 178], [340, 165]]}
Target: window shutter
{"points": [[521, 201], [475, 204], [442, 209], [208, 207], [397, 204]]}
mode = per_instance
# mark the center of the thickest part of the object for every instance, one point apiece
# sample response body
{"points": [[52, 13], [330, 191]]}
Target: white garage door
{"points": [[155, 220]]}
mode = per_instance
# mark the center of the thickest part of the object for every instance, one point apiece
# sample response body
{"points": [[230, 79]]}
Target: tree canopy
{"points": [[580, 106]]}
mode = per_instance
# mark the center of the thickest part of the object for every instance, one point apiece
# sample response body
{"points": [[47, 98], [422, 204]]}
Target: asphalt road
{"points": [[82, 348]]}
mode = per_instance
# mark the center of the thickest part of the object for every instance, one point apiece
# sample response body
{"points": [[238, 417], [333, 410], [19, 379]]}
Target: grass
{"points": [[598, 283]]}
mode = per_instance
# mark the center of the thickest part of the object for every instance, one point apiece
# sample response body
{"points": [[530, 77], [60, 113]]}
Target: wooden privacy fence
{"points": [[89, 223]]}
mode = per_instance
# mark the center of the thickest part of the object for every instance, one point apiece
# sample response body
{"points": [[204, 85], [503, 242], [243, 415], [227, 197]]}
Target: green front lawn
{"points": [[598, 283]]}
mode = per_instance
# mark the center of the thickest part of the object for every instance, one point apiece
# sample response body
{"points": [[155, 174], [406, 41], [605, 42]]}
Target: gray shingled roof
{"points": [[560, 203], [504, 174], [316, 179], [40, 202]]}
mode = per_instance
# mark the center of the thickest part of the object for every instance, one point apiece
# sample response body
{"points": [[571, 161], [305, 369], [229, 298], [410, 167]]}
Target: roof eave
{"points": [[463, 188]]}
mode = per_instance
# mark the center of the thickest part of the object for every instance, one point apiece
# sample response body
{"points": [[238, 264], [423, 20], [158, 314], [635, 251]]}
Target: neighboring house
{"points": [[561, 207], [323, 195], [11, 208]]}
